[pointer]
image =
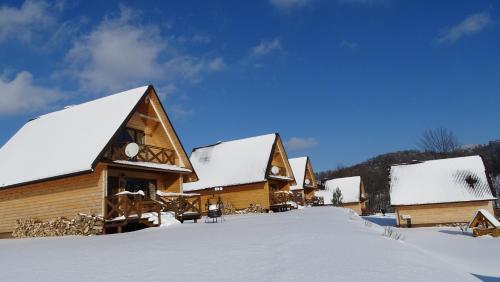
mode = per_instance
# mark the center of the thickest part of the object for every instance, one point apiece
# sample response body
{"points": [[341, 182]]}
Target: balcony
{"points": [[147, 153], [280, 201], [279, 173]]}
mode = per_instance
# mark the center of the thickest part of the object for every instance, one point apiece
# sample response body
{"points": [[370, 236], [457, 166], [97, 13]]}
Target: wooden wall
{"points": [[240, 197], [309, 193], [356, 207], [50, 199], [434, 214]]}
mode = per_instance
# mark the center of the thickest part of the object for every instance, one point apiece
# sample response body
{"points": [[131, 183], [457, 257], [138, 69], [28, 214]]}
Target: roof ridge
{"points": [[76, 106], [230, 141]]}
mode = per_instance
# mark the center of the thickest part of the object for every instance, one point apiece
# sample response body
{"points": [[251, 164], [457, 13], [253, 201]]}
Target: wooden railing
{"points": [[147, 153], [280, 198], [298, 197], [127, 207], [181, 205]]}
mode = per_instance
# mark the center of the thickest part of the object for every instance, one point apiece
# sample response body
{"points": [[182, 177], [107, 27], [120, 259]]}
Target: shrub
{"points": [[392, 233]]}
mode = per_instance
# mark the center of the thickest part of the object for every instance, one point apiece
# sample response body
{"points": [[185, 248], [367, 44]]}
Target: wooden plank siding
{"points": [[309, 193], [50, 199], [356, 207], [434, 214], [240, 197]]}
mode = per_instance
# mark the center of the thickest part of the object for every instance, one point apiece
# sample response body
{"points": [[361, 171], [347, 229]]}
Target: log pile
{"points": [[253, 208], [84, 225]]}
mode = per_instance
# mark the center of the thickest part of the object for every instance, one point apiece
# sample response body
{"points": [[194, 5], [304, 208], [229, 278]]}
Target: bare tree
{"points": [[439, 140]]}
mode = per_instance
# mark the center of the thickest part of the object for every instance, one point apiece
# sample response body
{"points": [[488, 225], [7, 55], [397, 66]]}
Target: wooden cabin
{"points": [[441, 191], [76, 160], [303, 191], [251, 171], [352, 189], [484, 223]]}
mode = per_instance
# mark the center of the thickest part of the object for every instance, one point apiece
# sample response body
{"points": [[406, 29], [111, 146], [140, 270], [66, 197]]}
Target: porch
{"points": [[281, 201], [138, 197], [280, 197]]}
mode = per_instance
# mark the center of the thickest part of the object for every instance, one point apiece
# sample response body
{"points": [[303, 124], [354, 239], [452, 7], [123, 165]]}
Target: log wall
{"points": [[434, 214], [50, 199], [240, 197]]}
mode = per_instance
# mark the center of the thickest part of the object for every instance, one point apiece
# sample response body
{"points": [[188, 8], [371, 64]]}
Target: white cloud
{"points": [[289, 4], [120, 52], [348, 44], [22, 95], [25, 22], [297, 143], [266, 47], [178, 111], [469, 26]]}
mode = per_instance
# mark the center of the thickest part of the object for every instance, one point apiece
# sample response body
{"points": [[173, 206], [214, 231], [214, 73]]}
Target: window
{"points": [[129, 135], [145, 185]]}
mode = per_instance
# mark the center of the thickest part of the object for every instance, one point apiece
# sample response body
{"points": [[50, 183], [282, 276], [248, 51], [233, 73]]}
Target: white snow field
{"points": [[313, 244], [479, 256]]}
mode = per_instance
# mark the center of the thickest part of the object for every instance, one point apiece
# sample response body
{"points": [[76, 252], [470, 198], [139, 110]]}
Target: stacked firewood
{"points": [[84, 225], [228, 209], [253, 208]]}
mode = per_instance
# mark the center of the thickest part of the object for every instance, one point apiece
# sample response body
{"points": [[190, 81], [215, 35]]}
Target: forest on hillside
{"points": [[375, 171]]}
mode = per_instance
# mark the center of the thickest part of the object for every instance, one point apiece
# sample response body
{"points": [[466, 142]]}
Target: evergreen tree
{"points": [[337, 198]]}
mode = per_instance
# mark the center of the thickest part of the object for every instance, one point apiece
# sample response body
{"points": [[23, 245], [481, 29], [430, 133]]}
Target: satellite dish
{"points": [[132, 150], [275, 170], [308, 181]]}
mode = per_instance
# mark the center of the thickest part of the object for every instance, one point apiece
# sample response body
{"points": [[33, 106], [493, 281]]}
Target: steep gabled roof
{"points": [[440, 181], [299, 168], [230, 163], [485, 215], [349, 186], [66, 142]]}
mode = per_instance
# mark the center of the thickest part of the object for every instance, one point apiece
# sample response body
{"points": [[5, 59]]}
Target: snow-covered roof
{"points": [[67, 141], [440, 181], [489, 217], [299, 166], [237, 162], [349, 186]]}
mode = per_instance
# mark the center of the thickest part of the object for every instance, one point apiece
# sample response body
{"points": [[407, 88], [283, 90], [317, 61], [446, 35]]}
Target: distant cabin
{"points": [[77, 159], [244, 172], [440, 191], [352, 189], [305, 179]]}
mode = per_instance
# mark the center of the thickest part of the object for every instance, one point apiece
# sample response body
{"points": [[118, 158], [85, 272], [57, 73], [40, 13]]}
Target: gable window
{"points": [[130, 135]]}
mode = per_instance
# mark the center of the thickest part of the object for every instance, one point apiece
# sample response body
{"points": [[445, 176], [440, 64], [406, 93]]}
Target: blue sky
{"points": [[341, 81]]}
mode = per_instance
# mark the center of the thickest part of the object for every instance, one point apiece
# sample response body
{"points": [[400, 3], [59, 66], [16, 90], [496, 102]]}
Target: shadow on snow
{"points": [[381, 220]]}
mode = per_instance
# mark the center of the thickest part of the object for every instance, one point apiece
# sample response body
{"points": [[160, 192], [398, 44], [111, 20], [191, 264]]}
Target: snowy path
{"points": [[315, 244]]}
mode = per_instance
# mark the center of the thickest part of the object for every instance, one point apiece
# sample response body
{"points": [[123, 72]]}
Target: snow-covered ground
{"points": [[313, 244], [478, 256]]}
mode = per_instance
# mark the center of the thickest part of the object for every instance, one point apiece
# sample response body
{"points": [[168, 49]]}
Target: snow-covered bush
{"points": [[464, 228], [352, 215], [392, 233]]}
